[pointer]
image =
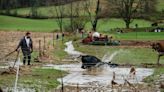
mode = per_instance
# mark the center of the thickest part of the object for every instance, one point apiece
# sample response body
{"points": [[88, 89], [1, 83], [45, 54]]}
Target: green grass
{"points": [[139, 36], [108, 24], [13, 23], [38, 78], [128, 55], [59, 52], [151, 79], [46, 78], [47, 25]]}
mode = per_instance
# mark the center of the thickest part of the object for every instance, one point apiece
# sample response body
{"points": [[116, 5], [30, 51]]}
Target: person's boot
{"points": [[24, 61], [28, 62]]}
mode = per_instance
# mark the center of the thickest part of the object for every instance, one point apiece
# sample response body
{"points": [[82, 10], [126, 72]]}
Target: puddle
{"points": [[102, 75]]}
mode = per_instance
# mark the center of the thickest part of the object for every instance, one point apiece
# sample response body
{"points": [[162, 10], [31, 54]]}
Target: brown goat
{"points": [[159, 47]]}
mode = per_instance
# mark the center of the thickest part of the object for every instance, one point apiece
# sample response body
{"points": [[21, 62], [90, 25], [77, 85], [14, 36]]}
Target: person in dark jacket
{"points": [[26, 45], [57, 36]]}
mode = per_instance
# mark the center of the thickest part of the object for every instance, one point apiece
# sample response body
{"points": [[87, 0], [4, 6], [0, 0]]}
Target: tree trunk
{"points": [[96, 17], [127, 24], [95, 24], [61, 25]]}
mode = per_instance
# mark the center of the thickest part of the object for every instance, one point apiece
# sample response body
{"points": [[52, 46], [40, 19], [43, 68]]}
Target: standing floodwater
{"points": [[101, 75]]}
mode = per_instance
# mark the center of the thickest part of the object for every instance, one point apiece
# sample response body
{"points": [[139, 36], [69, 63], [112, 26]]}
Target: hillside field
{"points": [[48, 25], [50, 11]]}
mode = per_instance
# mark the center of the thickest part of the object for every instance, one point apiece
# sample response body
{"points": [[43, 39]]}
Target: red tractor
{"points": [[99, 40]]}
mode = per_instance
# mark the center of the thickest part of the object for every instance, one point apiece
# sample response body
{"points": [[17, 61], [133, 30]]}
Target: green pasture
{"points": [[16, 24], [127, 55], [106, 26], [37, 79], [139, 36], [48, 25]]}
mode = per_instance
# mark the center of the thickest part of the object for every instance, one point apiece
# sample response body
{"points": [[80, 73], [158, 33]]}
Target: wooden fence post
{"points": [[44, 43], [53, 39], [40, 50], [78, 88]]}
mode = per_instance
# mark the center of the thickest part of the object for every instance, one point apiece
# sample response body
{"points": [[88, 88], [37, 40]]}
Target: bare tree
{"points": [[127, 9], [59, 10], [15, 6], [93, 16], [79, 21], [34, 8], [71, 16], [148, 6]]}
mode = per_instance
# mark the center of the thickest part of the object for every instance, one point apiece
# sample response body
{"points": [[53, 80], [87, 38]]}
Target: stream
{"points": [[101, 76]]}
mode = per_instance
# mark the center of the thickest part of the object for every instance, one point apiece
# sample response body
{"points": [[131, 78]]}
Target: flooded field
{"points": [[99, 79], [103, 75], [103, 78], [99, 76]]}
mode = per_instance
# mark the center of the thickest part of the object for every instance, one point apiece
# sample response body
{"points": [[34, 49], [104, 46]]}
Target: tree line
{"points": [[12, 4], [125, 9]]}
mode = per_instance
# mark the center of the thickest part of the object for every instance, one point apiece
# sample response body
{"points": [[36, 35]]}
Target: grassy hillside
{"points": [[13, 23], [49, 11], [160, 5], [108, 24], [139, 36]]}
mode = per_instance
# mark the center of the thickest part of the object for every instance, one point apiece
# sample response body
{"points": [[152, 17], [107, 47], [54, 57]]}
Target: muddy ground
{"points": [[9, 41]]}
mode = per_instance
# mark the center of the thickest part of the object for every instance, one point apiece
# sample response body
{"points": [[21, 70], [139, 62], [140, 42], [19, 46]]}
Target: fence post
{"points": [[40, 51], [44, 43], [78, 88], [53, 39]]}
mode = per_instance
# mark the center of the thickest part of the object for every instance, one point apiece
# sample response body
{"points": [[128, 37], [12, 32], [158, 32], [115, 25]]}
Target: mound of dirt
{"points": [[135, 43]]}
